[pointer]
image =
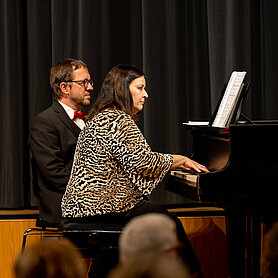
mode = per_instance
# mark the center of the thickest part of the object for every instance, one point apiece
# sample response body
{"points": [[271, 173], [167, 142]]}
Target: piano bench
{"points": [[93, 239], [43, 230]]}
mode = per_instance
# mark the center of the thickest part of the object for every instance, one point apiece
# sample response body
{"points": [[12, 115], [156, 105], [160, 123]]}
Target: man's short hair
{"points": [[63, 71], [151, 232]]}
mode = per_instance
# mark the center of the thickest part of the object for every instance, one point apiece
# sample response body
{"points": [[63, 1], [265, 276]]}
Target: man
{"points": [[151, 235], [53, 135]]}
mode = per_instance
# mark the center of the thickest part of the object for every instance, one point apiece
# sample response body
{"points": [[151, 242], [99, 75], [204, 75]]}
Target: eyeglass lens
{"points": [[86, 82]]}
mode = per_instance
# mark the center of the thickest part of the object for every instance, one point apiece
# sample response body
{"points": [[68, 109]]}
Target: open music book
{"points": [[230, 99], [229, 105]]}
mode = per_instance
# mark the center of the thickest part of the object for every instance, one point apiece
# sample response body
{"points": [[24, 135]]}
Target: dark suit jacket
{"points": [[52, 141]]}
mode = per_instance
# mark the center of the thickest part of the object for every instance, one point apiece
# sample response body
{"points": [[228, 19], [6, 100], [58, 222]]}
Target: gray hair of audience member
{"points": [[151, 232], [150, 266], [50, 259]]}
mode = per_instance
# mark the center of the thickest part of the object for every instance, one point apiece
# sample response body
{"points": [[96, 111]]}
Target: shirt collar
{"points": [[68, 109]]}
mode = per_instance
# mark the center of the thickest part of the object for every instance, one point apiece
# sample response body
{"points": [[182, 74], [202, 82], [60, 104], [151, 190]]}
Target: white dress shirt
{"points": [[79, 122]]}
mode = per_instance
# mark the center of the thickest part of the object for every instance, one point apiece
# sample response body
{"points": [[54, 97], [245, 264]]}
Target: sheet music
{"points": [[229, 99], [193, 123]]}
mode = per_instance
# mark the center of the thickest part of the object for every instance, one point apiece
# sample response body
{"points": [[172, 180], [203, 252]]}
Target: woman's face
{"points": [[138, 93]]}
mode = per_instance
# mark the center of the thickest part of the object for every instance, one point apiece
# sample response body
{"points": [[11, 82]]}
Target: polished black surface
{"points": [[243, 165], [243, 179]]}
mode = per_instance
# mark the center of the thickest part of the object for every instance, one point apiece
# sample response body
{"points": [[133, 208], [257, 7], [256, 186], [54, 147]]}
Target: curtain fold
{"points": [[187, 49], [13, 104]]}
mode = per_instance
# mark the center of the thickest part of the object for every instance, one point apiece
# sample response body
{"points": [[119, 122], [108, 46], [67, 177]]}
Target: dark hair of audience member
{"points": [[50, 259]]}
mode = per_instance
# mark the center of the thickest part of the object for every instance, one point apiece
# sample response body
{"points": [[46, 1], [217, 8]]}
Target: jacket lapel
{"points": [[63, 116]]}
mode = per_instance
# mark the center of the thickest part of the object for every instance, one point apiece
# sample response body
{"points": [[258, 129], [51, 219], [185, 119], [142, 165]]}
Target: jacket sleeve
{"points": [[45, 145], [145, 168]]}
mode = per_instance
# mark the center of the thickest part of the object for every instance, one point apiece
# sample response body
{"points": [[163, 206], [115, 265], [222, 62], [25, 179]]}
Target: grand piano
{"points": [[242, 159], [243, 176], [243, 165]]}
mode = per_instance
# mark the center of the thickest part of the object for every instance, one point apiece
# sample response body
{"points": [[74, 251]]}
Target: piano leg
{"points": [[253, 246], [244, 245], [236, 233]]}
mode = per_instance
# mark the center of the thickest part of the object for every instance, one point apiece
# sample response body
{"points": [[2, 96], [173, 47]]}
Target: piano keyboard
{"points": [[187, 176]]}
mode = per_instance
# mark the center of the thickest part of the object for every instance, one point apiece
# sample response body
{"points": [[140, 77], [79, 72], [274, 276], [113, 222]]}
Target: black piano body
{"points": [[243, 165], [243, 178]]}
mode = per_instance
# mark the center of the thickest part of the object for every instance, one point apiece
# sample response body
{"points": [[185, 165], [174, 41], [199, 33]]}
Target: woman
{"points": [[114, 169]]}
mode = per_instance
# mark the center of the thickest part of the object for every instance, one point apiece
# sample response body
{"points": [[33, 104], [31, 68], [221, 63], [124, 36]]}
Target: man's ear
{"points": [[64, 88]]}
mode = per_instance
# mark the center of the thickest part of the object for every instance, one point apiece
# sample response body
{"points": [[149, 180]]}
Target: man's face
{"points": [[79, 93]]}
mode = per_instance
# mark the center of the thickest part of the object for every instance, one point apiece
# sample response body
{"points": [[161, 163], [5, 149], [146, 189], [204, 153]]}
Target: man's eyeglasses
{"points": [[84, 82]]}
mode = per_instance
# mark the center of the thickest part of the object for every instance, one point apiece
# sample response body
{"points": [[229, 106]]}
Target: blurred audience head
{"points": [[149, 266], [270, 252], [149, 233], [50, 259]]}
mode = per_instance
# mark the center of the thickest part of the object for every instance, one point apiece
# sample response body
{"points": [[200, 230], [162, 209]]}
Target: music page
{"points": [[229, 99]]}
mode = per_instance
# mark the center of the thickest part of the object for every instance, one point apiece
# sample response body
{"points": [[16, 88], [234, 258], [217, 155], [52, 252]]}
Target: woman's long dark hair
{"points": [[115, 93]]}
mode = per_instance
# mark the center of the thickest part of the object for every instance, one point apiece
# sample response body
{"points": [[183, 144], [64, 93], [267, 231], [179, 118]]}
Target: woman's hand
{"points": [[187, 164]]}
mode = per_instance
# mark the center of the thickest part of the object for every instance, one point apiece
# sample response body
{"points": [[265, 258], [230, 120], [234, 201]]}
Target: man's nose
{"points": [[89, 87]]}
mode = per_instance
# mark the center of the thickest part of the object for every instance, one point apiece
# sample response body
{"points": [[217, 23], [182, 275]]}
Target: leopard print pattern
{"points": [[113, 169]]}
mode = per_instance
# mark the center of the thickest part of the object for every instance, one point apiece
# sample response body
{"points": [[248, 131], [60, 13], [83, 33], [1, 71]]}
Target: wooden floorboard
{"points": [[12, 227]]}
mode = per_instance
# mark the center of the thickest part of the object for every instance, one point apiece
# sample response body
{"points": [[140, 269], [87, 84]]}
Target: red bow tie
{"points": [[79, 115]]}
